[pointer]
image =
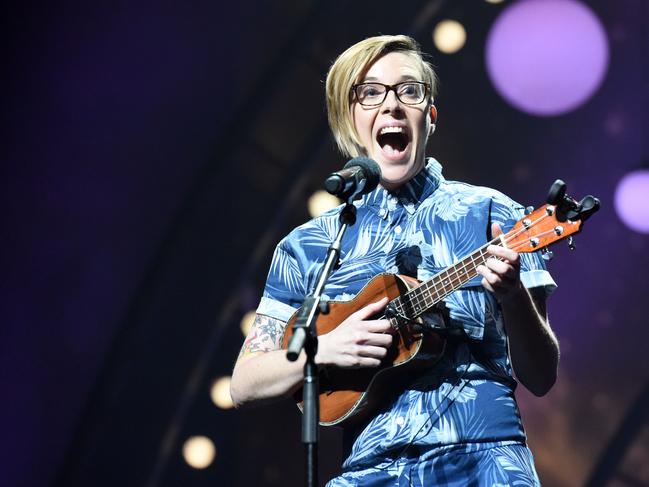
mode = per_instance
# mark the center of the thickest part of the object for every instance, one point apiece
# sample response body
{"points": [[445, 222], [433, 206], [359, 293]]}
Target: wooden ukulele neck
{"points": [[429, 293]]}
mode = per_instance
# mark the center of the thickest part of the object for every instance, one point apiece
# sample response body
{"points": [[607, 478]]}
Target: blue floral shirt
{"points": [[466, 400]]}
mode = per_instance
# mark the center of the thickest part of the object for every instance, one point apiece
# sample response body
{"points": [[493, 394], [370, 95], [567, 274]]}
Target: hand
{"points": [[357, 341], [501, 275]]}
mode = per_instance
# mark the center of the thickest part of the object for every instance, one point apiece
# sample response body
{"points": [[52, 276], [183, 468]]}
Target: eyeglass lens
{"points": [[374, 93]]}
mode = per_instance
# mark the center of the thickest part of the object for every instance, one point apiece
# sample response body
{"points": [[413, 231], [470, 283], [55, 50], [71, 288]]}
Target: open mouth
{"points": [[393, 141]]}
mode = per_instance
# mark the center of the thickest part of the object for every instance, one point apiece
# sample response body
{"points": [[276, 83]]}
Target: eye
{"points": [[411, 93], [408, 89], [369, 91]]}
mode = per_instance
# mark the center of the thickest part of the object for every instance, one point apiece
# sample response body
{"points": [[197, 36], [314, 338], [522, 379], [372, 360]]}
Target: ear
{"points": [[433, 120]]}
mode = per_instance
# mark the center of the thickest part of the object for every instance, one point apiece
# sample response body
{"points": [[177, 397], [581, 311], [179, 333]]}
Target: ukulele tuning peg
{"points": [[529, 210], [571, 243], [557, 192], [587, 206], [547, 254]]}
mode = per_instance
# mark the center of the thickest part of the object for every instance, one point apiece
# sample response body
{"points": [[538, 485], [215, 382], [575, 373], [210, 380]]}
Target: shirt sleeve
{"points": [[534, 273], [285, 288]]}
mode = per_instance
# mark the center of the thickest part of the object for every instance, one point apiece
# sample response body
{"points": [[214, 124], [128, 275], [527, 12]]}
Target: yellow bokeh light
{"points": [[449, 36], [321, 201], [199, 452], [220, 393], [246, 322]]}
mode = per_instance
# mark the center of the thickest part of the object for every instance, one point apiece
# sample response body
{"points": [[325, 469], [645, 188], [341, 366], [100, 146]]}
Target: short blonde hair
{"points": [[348, 70]]}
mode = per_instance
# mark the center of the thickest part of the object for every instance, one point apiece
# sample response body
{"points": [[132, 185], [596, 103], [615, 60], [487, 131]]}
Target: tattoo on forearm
{"points": [[265, 335]]}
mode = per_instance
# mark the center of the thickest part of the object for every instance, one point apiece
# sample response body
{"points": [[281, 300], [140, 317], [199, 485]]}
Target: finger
{"points": [[495, 283], [488, 277], [494, 279], [370, 309], [487, 286], [378, 339], [503, 253], [503, 269], [371, 351], [367, 362], [483, 270], [378, 326], [492, 288]]}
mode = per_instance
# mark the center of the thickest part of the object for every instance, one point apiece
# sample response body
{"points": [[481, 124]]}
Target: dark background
{"points": [[153, 155]]}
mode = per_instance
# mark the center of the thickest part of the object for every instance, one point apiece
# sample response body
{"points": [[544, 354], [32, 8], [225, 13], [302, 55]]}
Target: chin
{"points": [[394, 174], [394, 177]]}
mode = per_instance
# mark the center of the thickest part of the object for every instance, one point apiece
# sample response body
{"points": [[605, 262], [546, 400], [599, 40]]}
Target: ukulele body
{"points": [[350, 395]]}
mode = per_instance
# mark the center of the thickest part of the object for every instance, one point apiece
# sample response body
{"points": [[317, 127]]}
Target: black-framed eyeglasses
{"points": [[373, 94]]}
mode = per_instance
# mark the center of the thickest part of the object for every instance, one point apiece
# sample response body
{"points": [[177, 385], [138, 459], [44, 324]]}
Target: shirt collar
{"points": [[410, 195]]}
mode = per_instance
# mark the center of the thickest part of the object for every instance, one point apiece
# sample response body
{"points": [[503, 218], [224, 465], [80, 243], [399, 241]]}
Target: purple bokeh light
{"points": [[547, 57], [632, 200]]}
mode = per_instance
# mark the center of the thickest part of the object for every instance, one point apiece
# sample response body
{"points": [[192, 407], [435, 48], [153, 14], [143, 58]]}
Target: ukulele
{"points": [[349, 396]]}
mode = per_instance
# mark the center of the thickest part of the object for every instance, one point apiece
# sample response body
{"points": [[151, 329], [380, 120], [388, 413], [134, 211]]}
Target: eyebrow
{"points": [[405, 77]]}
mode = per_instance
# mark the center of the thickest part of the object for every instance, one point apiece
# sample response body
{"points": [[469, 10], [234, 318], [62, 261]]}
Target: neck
{"points": [[394, 186]]}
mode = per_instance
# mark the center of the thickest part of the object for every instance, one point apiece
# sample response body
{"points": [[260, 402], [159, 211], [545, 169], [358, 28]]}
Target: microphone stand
{"points": [[305, 337]]}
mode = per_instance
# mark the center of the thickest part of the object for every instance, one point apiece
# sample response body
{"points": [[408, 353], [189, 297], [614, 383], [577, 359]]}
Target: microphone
{"points": [[359, 176]]}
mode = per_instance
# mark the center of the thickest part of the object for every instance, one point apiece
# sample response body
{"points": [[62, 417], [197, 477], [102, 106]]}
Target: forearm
{"points": [[533, 347], [263, 373], [265, 376]]}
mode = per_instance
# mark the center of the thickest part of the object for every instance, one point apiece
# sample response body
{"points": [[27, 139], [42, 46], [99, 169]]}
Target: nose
{"points": [[391, 102]]}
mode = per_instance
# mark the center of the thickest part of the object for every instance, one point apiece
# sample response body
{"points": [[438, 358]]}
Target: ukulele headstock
{"points": [[561, 218]]}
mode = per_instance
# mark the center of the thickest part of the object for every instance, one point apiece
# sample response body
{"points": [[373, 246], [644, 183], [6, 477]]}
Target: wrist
{"points": [[321, 356], [515, 295]]}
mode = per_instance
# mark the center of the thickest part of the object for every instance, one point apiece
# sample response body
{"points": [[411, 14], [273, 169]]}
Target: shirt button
{"points": [[400, 420], [397, 229], [382, 212]]}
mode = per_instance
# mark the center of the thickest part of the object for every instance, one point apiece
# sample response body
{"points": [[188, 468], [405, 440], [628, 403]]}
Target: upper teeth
{"points": [[391, 130]]}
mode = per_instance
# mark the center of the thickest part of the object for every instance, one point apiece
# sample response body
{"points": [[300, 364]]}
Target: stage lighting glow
{"points": [[246, 322], [220, 393], [494, 1], [631, 200], [199, 452], [449, 36], [321, 201], [547, 57]]}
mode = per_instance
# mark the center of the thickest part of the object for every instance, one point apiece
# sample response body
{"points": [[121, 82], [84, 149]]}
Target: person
{"points": [[456, 423]]}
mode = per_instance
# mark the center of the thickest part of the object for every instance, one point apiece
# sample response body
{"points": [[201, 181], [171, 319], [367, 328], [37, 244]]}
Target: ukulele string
{"points": [[507, 238], [497, 241], [457, 279], [464, 270], [522, 245]]}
